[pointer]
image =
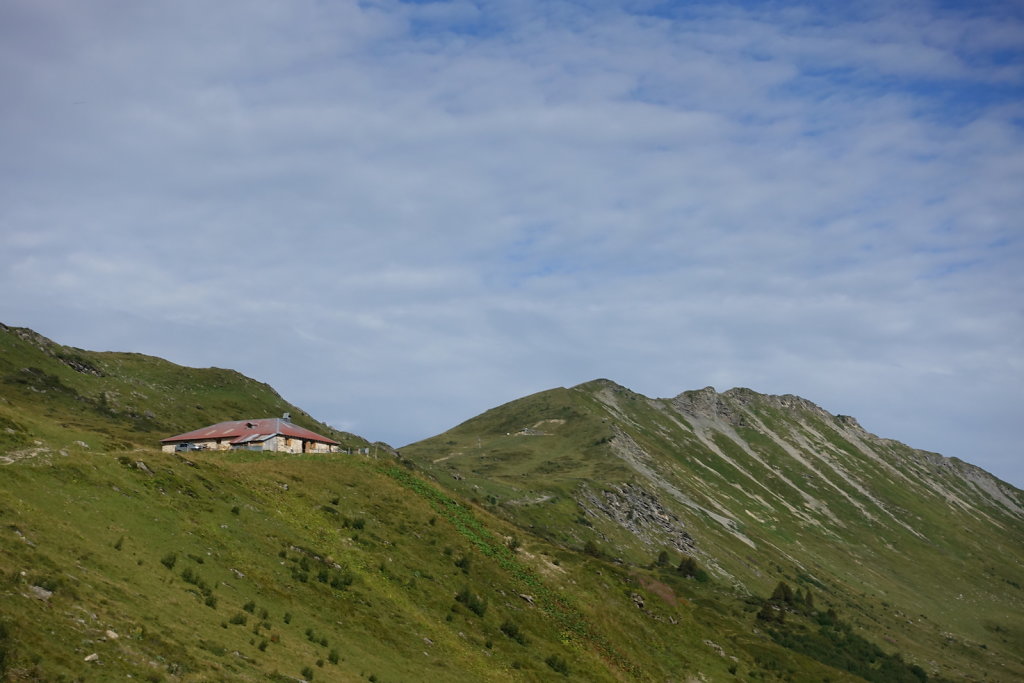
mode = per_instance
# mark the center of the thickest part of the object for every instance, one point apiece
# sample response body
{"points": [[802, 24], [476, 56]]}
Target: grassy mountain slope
{"points": [[254, 567], [924, 554], [576, 534], [119, 560], [58, 395]]}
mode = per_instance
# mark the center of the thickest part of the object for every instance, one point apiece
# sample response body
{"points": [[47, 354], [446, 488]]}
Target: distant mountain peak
{"points": [[600, 383]]}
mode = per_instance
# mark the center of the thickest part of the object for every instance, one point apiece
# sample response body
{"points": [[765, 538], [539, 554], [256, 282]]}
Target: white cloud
{"points": [[449, 205]]}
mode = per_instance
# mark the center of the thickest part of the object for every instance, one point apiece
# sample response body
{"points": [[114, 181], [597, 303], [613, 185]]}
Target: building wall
{"points": [[278, 443], [318, 446], [283, 444]]}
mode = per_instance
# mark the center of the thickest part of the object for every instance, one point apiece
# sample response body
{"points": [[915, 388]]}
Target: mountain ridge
{"points": [[589, 532], [149, 398], [743, 480]]}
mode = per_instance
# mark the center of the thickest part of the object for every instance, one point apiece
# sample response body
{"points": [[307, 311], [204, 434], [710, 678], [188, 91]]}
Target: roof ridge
{"points": [[238, 430]]}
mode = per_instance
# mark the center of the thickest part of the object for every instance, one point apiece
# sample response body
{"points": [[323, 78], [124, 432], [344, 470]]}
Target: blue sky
{"points": [[403, 214]]}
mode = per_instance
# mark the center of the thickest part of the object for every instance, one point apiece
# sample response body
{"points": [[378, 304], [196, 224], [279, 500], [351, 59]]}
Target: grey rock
{"points": [[41, 593]]}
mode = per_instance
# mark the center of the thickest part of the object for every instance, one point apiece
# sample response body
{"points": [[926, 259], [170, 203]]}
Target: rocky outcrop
{"points": [[639, 512], [64, 354], [708, 403]]}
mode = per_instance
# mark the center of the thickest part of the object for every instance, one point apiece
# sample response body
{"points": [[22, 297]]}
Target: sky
{"points": [[402, 214]]}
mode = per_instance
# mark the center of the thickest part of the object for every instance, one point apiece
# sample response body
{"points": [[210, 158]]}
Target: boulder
{"points": [[40, 593]]}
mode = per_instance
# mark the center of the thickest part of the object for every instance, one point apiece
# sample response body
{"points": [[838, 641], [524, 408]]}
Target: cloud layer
{"points": [[402, 214]]}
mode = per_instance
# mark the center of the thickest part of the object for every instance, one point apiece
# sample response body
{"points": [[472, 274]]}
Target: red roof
{"points": [[244, 431]]}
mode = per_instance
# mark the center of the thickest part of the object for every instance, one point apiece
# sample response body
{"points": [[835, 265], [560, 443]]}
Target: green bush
{"points": [[342, 581], [196, 580], [689, 568], [558, 664], [511, 630], [169, 560], [472, 601]]}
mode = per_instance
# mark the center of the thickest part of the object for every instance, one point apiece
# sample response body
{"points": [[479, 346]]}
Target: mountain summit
{"points": [[927, 550]]}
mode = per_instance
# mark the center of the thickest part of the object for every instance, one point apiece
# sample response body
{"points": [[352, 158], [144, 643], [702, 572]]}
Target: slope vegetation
{"points": [[924, 555], [121, 561], [586, 534], [55, 397]]}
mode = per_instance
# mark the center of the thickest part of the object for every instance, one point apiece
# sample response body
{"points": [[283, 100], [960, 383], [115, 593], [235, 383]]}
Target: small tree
{"points": [[783, 593], [687, 567], [169, 560], [770, 613]]}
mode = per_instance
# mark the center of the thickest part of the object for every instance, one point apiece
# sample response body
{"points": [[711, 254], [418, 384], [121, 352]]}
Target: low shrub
{"points": [[558, 664], [511, 629], [473, 602], [169, 560]]}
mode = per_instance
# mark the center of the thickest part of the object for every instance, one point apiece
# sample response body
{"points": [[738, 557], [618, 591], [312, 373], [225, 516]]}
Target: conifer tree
{"points": [[783, 593], [687, 567]]}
